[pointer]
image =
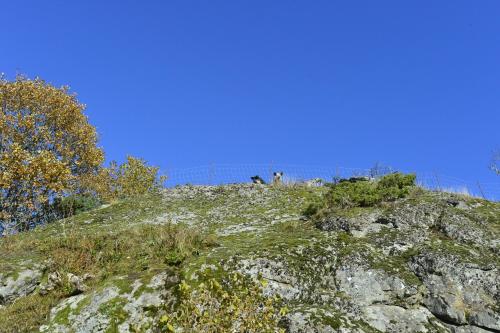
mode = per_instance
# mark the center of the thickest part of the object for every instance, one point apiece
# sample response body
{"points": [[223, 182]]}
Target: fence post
{"points": [[211, 174], [271, 172], [481, 190], [437, 181]]}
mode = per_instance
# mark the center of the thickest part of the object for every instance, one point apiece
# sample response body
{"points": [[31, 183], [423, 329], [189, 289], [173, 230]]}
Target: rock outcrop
{"points": [[19, 280], [427, 263]]}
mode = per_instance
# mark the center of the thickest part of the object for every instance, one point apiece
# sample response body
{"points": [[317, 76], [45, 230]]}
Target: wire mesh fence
{"points": [[219, 174]]}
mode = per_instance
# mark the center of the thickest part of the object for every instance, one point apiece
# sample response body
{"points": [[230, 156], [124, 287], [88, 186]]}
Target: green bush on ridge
{"points": [[363, 192]]}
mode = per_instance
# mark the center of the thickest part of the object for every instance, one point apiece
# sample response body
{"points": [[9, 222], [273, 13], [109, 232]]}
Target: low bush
{"points": [[394, 186], [361, 192], [126, 180], [233, 303], [71, 205], [356, 194]]}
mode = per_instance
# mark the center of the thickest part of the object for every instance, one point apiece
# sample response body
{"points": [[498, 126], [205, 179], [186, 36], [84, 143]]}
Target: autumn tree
{"points": [[129, 179], [46, 147]]}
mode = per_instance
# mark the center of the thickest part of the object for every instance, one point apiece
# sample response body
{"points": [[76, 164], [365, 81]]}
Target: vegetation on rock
{"points": [[98, 255], [225, 303], [363, 192], [363, 254], [427, 262]]}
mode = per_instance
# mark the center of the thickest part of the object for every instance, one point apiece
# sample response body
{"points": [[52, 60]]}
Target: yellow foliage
{"points": [[232, 304], [129, 179], [46, 147]]}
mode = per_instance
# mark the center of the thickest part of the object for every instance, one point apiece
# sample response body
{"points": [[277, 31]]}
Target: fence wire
{"points": [[219, 174]]}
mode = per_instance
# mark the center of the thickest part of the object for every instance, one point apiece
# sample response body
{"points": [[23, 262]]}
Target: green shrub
{"points": [[357, 194], [63, 207], [75, 204], [395, 186], [233, 303], [366, 193]]}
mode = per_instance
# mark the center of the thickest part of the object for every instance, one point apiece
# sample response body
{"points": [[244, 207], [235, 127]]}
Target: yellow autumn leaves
{"points": [[134, 177], [232, 304], [49, 150], [42, 170], [46, 147]]}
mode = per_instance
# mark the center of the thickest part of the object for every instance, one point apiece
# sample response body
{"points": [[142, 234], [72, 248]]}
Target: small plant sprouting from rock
{"points": [[234, 303]]}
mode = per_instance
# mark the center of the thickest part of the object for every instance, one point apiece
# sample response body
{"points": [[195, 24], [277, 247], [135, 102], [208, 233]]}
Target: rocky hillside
{"points": [[428, 262]]}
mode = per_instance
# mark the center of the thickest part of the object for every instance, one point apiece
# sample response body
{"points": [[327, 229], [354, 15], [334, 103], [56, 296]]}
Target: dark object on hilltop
{"points": [[257, 180], [354, 179], [277, 177]]}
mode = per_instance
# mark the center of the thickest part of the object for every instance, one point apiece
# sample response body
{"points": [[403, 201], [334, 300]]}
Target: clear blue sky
{"points": [[412, 84]]}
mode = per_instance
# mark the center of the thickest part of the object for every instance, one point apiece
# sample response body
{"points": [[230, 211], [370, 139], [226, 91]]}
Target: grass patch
{"points": [[28, 313], [102, 252]]}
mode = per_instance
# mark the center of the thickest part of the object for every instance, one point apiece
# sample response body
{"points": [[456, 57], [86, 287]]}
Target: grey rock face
{"points": [[463, 229], [459, 293], [445, 301], [98, 311], [374, 292], [364, 286], [359, 225], [390, 318], [280, 281], [334, 223], [299, 322], [20, 282], [404, 266], [407, 214]]}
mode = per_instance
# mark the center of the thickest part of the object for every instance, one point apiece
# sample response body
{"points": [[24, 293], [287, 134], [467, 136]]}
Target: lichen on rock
{"points": [[428, 262]]}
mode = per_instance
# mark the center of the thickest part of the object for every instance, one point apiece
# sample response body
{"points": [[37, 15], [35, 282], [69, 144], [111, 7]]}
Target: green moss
{"points": [[349, 245], [124, 284], [10, 271], [464, 252], [329, 319], [83, 303], [62, 316], [114, 309], [398, 266]]}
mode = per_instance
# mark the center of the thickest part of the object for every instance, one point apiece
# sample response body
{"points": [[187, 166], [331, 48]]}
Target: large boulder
{"points": [[20, 280], [459, 293], [125, 304]]}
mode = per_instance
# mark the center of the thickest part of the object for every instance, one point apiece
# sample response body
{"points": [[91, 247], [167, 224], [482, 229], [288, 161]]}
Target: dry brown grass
{"points": [[102, 254], [28, 313]]}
